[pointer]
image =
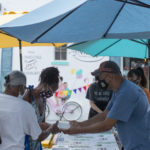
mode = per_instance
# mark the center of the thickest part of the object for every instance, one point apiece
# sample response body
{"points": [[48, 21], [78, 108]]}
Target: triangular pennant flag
{"points": [[85, 88], [61, 93], [80, 89], [66, 93], [75, 91], [70, 92], [88, 85], [56, 94]]}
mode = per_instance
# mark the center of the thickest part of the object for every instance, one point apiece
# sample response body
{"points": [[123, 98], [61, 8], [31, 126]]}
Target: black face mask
{"points": [[102, 84], [135, 81], [46, 94]]}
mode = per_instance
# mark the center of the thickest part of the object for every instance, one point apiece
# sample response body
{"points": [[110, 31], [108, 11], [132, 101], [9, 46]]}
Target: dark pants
{"points": [[0, 141]]}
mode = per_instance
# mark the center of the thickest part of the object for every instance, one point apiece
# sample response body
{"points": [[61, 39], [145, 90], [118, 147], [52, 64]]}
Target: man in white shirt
{"points": [[17, 117]]}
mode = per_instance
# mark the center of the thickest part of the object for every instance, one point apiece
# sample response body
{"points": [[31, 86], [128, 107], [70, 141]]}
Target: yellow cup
{"points": [[45, 144]]}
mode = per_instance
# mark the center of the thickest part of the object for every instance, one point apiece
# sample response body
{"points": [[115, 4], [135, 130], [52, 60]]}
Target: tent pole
{"points": [[20, 54], [149, 64]]}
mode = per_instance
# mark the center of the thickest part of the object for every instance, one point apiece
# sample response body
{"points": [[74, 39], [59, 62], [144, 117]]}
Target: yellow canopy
{"points": [[8, 41]]}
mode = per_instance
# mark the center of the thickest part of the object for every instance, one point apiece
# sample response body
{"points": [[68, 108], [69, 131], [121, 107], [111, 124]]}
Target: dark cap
{"points": [[108, 66], [95, 73]]}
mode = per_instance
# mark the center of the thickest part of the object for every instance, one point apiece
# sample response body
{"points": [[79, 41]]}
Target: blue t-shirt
{"points": [[129, 105]]}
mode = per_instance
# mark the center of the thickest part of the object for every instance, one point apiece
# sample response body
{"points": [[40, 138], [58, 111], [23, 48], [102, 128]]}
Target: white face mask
{"points": [[22, 95]]}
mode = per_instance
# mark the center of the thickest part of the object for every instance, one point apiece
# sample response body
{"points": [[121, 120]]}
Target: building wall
{"points": [[76, 70]]}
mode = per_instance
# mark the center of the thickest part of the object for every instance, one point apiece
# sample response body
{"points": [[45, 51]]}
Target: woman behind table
{"points": [[138, 77], [49, 79]]}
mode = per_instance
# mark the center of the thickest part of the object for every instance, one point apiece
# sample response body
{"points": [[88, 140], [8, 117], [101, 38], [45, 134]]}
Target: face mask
{"points": [[20, 96], [46, 94], [102, 84]]}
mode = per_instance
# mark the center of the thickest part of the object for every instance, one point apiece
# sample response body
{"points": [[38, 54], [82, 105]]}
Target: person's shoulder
{"points": [[94, 84], [92, 87], [26, 108], [131, 90], [129, 86], [26, 104], [9, 98]]}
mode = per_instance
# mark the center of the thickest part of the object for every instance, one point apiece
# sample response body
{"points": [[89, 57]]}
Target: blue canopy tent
{"points": [[82, 20], [114, 47], [67, 21]]}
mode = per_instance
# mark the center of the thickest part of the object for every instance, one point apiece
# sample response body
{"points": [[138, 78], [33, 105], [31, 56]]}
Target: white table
{"points": [[98, 141]]}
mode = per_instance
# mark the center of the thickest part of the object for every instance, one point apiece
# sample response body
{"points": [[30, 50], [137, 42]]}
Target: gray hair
{"points": [[15, 78]]}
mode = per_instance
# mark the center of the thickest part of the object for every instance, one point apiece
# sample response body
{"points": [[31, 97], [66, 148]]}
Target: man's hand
{"points": [[101, 126], [54, 128], [75, 128], [51, 129]]}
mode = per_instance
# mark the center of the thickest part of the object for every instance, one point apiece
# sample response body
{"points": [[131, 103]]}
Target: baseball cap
{"points": [[15, 78], [95, 72], [107, 66]]}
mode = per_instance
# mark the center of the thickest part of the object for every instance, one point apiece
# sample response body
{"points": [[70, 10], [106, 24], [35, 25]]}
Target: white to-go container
{"points": [[63, 125]]}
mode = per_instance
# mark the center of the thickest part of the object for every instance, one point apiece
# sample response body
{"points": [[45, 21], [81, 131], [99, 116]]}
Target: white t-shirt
{"points": [[17, 119]]}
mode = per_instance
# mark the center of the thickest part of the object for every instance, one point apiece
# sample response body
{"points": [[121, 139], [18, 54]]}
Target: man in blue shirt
{"points": [[128, 110]]}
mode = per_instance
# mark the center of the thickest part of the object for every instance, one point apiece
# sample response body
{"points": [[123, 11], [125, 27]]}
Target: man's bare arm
{"points": [[45, 133], [105, 125], [98, 118], [97, 127]]}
